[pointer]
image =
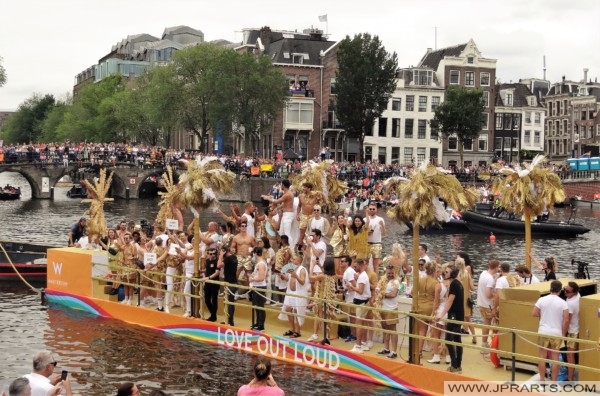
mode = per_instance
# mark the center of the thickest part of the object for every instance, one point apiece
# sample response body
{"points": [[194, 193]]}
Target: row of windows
{"points": [[409, 127], [406, 155], [482, 143], [469, 78], [435, 102]]}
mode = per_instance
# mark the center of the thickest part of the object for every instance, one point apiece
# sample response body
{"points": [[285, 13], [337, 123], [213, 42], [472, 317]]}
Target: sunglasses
{"points": [[53, 363], [243, 225]]}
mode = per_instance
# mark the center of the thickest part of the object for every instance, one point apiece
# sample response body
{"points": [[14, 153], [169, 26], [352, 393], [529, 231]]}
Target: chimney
{"points": [[585, 71], [265, 37]]}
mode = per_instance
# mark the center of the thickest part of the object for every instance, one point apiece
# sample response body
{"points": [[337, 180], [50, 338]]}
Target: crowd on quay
{"points": [[42, 381]]}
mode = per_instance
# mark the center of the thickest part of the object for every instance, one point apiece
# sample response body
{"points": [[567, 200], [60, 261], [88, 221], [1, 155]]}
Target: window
{"points": [[558, 108], [485, 124], [422, 77], [333, 91], [527, 137], [422, 129], [528, 117], [537, 117], [410, 103], [454, 77], [396, 104], [435, 102], [297, 59], [468, 145], [408, 155], [396, 127], [509, 99], [452, 143], [408, 128], [598, 130], [382, 155], [507, 122], [484, 79], [395, 155], [382, 127], [591, 132], [299, 113], [422, 103], [470, 60], [433, 155], [420, 154], [486, 98], [482, 142], [516, 122], [498, 121], [470, 79], [536, 138]]}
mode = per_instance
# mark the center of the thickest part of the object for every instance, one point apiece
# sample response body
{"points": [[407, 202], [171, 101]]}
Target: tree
{"points": [[365, 80], [25, 126], [460, 116], [250, 93], [2, 73]]}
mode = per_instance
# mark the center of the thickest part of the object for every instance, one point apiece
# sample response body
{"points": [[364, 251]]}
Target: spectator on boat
{"points": [[376, 232], [307, 200], [283, 256], [211, 290], [42, 380], [504, 281], [553, 312], [468, 263], [439, 303], [398, 258], [298, 286], [287, 206], [426, 293], [571, 291], [156, 272], [263, 383], [423, 252], [454, 308], [485, 298], [242, 245], [362, 296], [388, 292], [338, 241], [548, 266], [358, 245], [77, 231], [128, 389], [326, 293], [228, 265], [468, 286], [349, 278], [525, 274], [269, 257], [319, 222], [259, 284], [127, 269]]}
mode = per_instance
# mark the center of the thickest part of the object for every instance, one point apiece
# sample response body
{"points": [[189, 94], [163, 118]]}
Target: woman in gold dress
{"points": [[426, 295]]}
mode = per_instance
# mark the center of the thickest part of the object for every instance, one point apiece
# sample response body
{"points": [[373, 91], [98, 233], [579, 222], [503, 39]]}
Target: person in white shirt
{"points": [[42, 380], [423, 252], [362, 295], [319, 222], [485, 290], [571, 291], [525, 275], [553, 312], [349, 278], [376, 232], [389, 285]]}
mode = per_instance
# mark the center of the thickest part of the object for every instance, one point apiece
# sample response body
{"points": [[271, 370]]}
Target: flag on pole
{"points": [[323, 18]]}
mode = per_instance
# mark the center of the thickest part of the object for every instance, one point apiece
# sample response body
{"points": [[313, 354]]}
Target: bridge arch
{"points": [[35, 176]]}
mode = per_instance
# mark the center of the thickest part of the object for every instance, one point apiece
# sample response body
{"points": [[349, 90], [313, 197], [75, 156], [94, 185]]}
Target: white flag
{"points": [[323, 18]]}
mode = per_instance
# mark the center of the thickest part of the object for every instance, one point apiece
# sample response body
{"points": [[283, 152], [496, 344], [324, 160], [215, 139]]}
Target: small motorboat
{"points": [[77, 191], [454, 226], [25, 259], [10, 193]]}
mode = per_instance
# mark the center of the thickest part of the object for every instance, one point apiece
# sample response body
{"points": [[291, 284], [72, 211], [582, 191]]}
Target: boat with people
{"points": [[77, 191], [77, 279], [25, 260], [10, 193], [480, 222], [579, 202]]}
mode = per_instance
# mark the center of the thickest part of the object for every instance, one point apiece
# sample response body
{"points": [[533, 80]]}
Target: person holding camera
{"points": [[454, 307], [262, 383], [42, 380]]}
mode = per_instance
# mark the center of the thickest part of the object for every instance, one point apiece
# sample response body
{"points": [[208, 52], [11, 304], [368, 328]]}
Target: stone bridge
{"points": [[126, 182]]}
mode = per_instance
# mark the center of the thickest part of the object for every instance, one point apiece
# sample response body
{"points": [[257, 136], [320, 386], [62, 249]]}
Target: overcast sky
{"points": [[45, 43]]}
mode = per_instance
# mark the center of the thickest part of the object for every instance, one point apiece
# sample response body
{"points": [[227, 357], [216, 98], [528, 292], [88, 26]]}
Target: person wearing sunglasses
{"points": [[211, 290], [376, 232], [42, 380]]}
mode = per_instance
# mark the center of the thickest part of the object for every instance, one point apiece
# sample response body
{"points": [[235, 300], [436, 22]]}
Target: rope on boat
{"points": [[555, 350], [38, 291]]}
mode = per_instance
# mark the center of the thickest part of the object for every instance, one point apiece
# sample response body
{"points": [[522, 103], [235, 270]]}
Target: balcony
{"points": [[302, 93], [332, 124]]}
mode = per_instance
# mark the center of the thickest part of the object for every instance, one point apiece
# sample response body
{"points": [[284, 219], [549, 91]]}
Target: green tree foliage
{"points": [[365, 80], [51, 122], [250, 92], [2, 74], [93, 114], [461, 115], [25, 126]]}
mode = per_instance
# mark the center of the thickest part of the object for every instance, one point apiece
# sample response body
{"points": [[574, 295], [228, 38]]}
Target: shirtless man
{"points": [[376, 231], [308, 199], [243, 245], [287, 206]]}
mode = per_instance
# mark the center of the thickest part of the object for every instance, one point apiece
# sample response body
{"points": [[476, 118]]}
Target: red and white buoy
{"points": [[492, 237]]}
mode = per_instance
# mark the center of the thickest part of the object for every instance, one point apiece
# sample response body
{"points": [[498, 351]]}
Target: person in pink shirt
{"points": [[263, 383]]}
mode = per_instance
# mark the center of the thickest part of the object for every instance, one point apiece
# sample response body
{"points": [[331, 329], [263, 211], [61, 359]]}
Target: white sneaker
{"points": [[124, 301], [313, 337], [370, 344], [365, 347], [187, 315], [448, 359], [129, 302], [167, 309], [356, 349]]}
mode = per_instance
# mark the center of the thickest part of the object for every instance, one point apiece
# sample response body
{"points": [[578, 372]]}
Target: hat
{"points": [[137, 227], [83, 219]]}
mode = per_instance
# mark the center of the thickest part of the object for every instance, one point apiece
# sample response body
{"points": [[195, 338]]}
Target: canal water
{"points": [[103, 353]]}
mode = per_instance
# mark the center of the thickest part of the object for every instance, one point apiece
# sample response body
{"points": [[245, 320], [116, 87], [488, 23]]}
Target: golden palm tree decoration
{"points": [[528, 191], [96, 225], [327, 187], [420, 203], [168, 197]]}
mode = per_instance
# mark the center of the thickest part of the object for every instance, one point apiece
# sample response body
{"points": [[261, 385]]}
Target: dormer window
{"points": [[509, 99], [470, 60], [582, 91], [423, 77], [297, 59]]}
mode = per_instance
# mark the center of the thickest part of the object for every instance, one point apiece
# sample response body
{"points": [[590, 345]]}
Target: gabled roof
{"points": [[432, 59], [565, 88], [520, 94], [277, 51]]}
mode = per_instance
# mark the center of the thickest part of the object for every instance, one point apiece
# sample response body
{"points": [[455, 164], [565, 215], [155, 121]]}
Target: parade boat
{"points": [[9, 193], [454, 226], [77, 279], [479, 222], [23, 259]]}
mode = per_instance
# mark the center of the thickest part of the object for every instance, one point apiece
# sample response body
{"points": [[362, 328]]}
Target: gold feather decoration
{"points": [[529, 190], [96, 225], [168, 197], [202, 182], [420, 197], [326, 186]]}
